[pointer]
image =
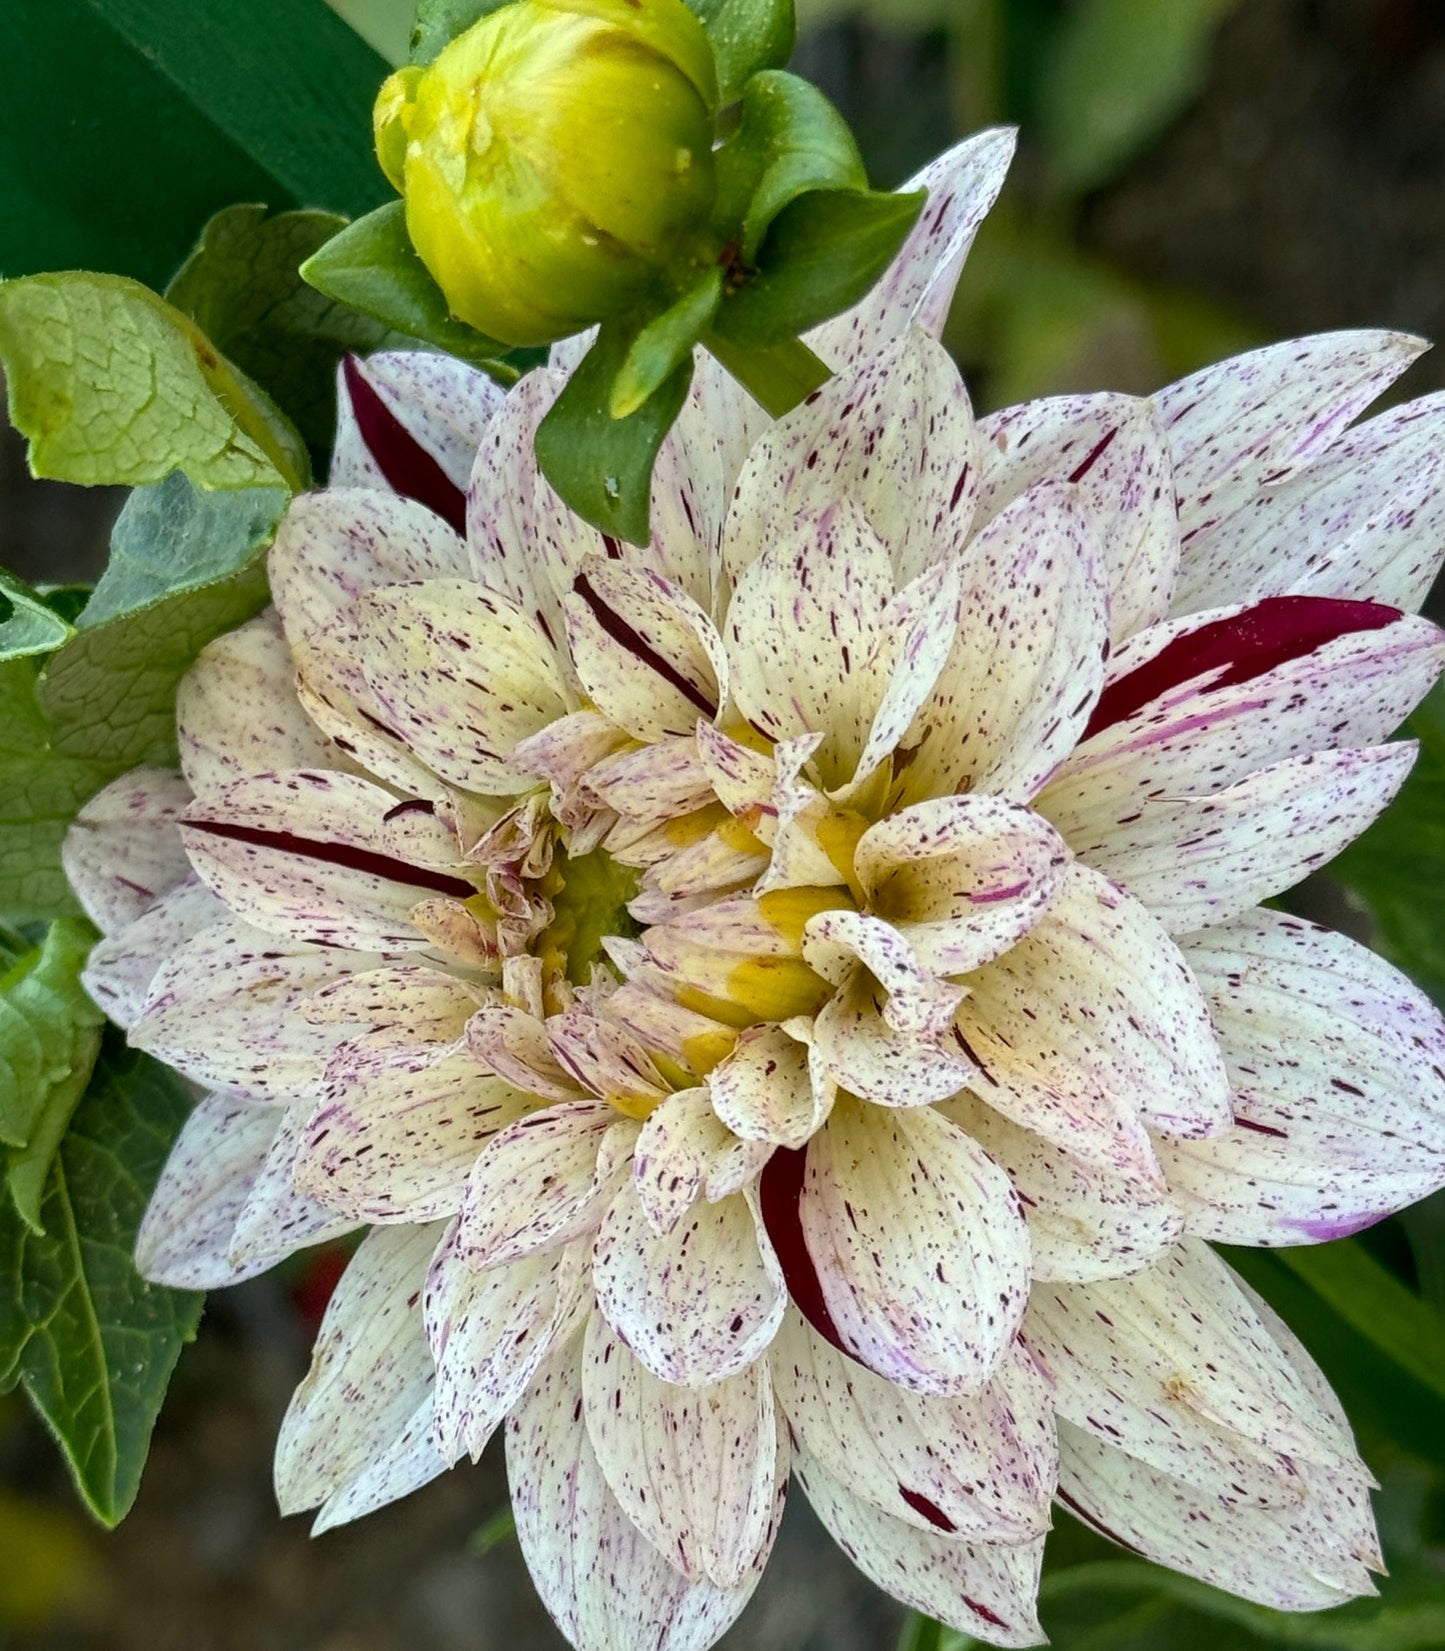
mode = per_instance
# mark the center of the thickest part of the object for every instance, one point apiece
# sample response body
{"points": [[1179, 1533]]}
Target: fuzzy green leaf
{"points": [[602, 466], [90, 1341], [112, 384], [242, 287], [821, 255], [28, 623], [372, 267]]}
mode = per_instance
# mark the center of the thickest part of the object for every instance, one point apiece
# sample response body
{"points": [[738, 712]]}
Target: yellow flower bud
{"points": [[554, 159]]}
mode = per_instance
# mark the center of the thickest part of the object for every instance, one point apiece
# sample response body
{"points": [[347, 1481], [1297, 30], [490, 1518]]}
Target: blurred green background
{"points": [[1195, 177]]}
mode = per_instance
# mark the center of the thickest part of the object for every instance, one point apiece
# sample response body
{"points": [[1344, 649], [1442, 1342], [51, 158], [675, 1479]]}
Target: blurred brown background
{"points": [[1295, 182]]}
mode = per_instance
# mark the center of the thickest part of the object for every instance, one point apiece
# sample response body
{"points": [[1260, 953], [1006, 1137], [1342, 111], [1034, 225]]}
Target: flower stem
{"points": [[777, 376]]}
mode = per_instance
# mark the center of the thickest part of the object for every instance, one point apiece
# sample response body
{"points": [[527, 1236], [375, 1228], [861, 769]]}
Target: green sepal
{"points": [[664, 344], [747, 36], [242, 286], [28, 623], [822, 254], [790, 140], [439, 22], [373, 267], [112, 384], [91, 1342], [601, 466]]}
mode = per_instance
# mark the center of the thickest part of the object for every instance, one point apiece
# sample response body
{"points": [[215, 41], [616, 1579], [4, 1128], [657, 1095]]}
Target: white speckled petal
{"points": [[275, 1219], [1111, 449], [834, 942], [917, 290], [647, 655], [459, 675], [1196, 861], [1339, 1101], [489, 1332], [349, 1439], [400, 1126], [120, 968], [335, 545], [1249, 423], [986, 1590], [658, 782], [1084, 1222], [542, 1181], [186, 1233], [1204, 703], [979, 1466], [960, 878], [684, 1152], [226, 1010], [696, 1304], [694, 1468], [824, 587], [1365, 520], [919, 1244], [605, 1584], [1092, 1028], [442, 403], [1307, 1557], [894, 434], [314, 857], [854, 1047], [123, 851], [237, 712], [1174, 1366], [766, 1091], [1027, 664]]}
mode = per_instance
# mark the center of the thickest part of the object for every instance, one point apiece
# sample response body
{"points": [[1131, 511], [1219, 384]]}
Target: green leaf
{"points": [[196, 107], [1117, 75], [790, 140], [44, 1013], [664, 344], [40, 793], [185, 566], [1368, 1296], [493, 1532], [822, 254], [372, 266], [28, 624], [90, 1341], [747, 36], [242, 287], [602, 466], [1398, 867], [111, 384], [439, 22], [924, 1634]]}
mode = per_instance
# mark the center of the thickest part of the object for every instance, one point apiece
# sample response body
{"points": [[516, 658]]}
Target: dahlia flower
{"points": [[797, 999]]}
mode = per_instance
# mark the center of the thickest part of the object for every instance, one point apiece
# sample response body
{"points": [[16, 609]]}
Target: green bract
{"points": [[554, 159]]}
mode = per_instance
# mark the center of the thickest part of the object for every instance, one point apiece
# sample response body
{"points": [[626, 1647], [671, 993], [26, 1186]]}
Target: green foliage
{"points": [[132, 122], [601, 465], [186, 566], [664, 344], [823, 253], [242, 287], [111, 384], [28, 623], [747, 36], [49, 1038], [372, 267], [438, 22], [92, 1344]]}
